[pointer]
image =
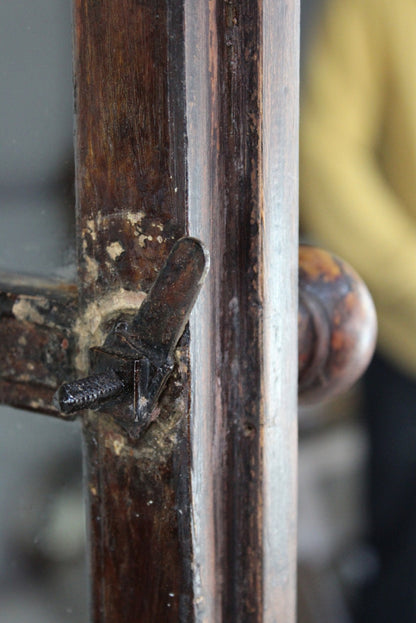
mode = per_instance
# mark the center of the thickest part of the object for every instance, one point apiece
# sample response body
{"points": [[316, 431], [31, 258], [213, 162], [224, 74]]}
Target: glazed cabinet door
{"points": [[186, 116]]}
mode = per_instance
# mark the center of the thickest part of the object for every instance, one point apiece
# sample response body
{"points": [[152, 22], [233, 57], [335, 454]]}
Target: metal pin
{"points": [[88, 393]]}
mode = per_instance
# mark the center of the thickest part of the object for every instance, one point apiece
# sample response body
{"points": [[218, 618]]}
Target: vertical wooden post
{"points": [[242, 107], [130, 172], [186, 120]]}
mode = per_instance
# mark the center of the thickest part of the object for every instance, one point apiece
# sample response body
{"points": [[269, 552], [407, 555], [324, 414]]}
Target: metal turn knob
{"points": [[133, 364]]}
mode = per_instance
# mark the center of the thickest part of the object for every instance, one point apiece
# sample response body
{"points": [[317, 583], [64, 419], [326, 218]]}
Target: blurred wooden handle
{"points": [[336, 322]]}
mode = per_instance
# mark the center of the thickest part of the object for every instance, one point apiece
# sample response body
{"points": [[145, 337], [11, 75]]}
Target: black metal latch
{"points": [[131, 368]]}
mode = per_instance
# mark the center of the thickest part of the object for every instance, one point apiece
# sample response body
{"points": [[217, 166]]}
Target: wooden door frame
{"points": [[186, 122], [242, 64]]}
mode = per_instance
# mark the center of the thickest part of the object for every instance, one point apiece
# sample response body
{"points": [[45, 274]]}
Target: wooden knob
{"points": [[336, 322]]}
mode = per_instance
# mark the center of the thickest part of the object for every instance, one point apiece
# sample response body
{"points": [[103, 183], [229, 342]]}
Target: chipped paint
{"points": [[92, 267], [115, 249], [118, 444], [135, 217], [26, 309], [90, 225], [142, 240]]}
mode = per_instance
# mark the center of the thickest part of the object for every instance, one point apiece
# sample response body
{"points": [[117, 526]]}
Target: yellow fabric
{"points": [[358, 155]]}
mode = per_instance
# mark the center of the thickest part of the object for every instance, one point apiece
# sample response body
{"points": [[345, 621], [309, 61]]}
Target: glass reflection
{"points": [[42, 526], [36, 155], [42, 535]]}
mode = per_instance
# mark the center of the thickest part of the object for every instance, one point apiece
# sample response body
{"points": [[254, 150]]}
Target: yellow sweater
{"points": [[358, 155]]}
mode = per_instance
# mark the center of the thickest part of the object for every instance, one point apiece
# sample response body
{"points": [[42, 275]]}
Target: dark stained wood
{"points": [[139, 520], [130, 170], [37, 341], [241, 60], [141, 71], [186, 118], [186, 122], [131, 207], [237, 333]]}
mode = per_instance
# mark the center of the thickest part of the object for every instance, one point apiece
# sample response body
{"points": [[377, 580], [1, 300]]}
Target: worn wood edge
{"points": [[199, 23], [29, 396], [20, 283], [38, 346], [47, 308], [227, 571], [280, 236]]}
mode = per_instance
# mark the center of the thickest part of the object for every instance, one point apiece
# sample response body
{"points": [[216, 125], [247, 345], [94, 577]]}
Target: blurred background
{"points": [[357, 482], [43, 575], [334, 560], [42, 542]]}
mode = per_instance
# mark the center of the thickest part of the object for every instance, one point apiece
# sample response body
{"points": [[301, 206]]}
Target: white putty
{"points": [[135, 217], [118, 445], [142, 240], [88, 327], [115, 249], [26, 309], [92, 267]]}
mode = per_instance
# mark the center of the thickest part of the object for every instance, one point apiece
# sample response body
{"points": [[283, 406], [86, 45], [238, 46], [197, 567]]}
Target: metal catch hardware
{"points": [[131, 368]]}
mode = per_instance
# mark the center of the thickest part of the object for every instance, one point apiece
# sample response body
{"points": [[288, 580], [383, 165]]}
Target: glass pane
{"points": [[43, 576], [36, 153]]}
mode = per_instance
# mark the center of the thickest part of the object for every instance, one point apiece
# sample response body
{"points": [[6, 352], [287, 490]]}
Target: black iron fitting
{"points": [[130, 369]]}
